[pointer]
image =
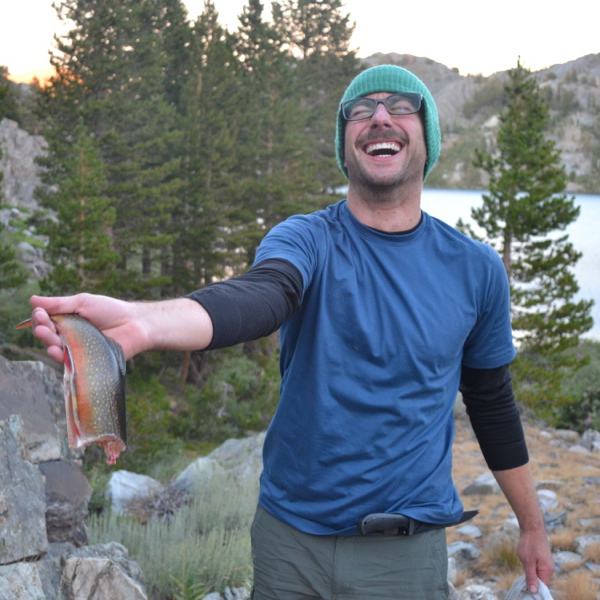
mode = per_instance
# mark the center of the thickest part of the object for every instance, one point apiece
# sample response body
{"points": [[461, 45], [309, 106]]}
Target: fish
{"points": [[94, 385]]}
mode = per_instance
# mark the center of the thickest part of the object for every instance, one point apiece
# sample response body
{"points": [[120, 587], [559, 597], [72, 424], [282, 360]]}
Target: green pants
{"points": [[291, 565]]}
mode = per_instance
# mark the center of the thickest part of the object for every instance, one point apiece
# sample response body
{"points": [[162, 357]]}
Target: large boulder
{"points": [[34, 391], [125, 489], [21, 581], [67, 497], [22, 498], [101, 572]]}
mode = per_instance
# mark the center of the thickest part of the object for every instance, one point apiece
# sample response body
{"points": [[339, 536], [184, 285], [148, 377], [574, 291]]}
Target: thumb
{"points": [[532, 581]]}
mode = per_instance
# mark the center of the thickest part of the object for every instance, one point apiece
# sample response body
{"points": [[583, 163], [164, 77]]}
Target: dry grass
{"points": [[554, 467], [563, 539], [577, 586], [501, 559], [592, 554]]}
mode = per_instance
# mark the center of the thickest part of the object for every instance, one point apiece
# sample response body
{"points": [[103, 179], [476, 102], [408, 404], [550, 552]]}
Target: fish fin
{"points": [[24, 324]]}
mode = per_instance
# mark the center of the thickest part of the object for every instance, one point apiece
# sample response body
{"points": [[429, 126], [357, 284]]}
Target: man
{"points": [[384, 312]]}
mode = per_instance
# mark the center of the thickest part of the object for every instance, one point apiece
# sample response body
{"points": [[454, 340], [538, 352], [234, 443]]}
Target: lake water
{"points": [[450, 205]]}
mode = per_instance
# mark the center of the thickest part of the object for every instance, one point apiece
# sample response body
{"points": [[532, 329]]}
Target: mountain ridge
{"points": [[468, 106]]}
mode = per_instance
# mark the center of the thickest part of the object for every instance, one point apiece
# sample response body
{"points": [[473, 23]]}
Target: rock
{"points": [[565, 560], [581, 543], [452, 594], [508, 532], [50, 568], [242, 457], [201, 472], [21, 581], [483, 485], [102, 571], [464, 550], [453, 570], [22, 498], [594, 568], [592, 525], [125, 487], [21, 173], [67, 496], [548, 484], [578, 449], [591, 480], [547, 499], [30, 388], [240, 593], [590, 440], [478, 592], [470, 531], [36, 579], [568, 435], [555, 519]]}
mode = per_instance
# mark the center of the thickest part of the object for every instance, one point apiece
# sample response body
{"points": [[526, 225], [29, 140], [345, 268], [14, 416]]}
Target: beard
{"points": [[361, 175]]}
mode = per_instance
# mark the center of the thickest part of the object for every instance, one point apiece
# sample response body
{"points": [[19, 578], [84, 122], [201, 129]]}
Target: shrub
{"points": [[582, 414], [203, 547]]}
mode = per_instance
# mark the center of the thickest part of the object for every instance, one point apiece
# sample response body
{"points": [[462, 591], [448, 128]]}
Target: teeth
{"points": [[390, 147]]}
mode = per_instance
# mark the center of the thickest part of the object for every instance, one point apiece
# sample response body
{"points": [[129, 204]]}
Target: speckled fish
{"points": [[94, 385]]}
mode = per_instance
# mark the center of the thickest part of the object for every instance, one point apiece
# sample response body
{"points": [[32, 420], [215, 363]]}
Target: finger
{"points": [[57, 353], [39, 317], [55, 305], [532, 580], [44, 329]]}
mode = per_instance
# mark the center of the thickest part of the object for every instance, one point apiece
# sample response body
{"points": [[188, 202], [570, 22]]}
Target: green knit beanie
{"points": [[390, 78]]}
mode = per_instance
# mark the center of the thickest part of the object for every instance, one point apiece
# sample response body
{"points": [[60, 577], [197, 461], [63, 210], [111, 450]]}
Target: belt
{"points": [[391, 524]]}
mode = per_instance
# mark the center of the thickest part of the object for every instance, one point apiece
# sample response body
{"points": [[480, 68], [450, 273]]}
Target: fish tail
{"points": [[24, 324]]}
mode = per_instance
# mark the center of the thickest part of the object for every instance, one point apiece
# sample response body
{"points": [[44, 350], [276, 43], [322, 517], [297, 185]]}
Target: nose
{"points": [[381, 114]]}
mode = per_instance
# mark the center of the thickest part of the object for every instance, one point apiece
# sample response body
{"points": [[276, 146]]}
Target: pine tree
{"points": [[113, 71], [318, 33], [524, 216], [210, 104], [283, 166], [79, 230]]}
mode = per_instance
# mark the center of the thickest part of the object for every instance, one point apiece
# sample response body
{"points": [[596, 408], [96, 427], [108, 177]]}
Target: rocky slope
{"points": [[468, 108]]}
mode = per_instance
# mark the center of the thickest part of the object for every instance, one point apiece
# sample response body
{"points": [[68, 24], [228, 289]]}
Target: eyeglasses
{"points": [[396, 104]]}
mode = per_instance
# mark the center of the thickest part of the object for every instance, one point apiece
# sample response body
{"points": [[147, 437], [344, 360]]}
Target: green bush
{"points": [[581, 414], [583, 389], [239, 396], [203, 547]]}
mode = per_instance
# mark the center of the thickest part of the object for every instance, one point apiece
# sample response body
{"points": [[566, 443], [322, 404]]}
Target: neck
{"points": [[390, 211]]}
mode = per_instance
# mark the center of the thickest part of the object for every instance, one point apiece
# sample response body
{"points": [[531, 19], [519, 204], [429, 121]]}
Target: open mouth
{"points": [[383, 149]]}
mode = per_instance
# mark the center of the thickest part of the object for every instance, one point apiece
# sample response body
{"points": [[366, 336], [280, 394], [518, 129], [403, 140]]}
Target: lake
{"points": [[450, 205]]}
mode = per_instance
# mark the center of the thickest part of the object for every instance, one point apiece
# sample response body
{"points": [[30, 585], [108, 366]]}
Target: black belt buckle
{"points": [[386, 523], [396, 524]]}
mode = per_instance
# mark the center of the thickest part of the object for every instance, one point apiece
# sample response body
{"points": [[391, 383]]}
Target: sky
{"points": [[473, 36]]}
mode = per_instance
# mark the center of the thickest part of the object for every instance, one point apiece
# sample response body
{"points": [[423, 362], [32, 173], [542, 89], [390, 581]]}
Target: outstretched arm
{"points": [[179, 324], [224, 314]]}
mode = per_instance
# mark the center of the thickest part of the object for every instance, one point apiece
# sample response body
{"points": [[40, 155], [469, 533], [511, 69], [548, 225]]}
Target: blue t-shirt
{"points": [[371, 364]]}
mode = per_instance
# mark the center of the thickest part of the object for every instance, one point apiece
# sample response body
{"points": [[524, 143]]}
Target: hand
{"points": [[534, 552], [115, 318]]}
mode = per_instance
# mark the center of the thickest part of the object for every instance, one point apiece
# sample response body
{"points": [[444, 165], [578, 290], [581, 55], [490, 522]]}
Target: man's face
{"points": [[385, 150]]}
